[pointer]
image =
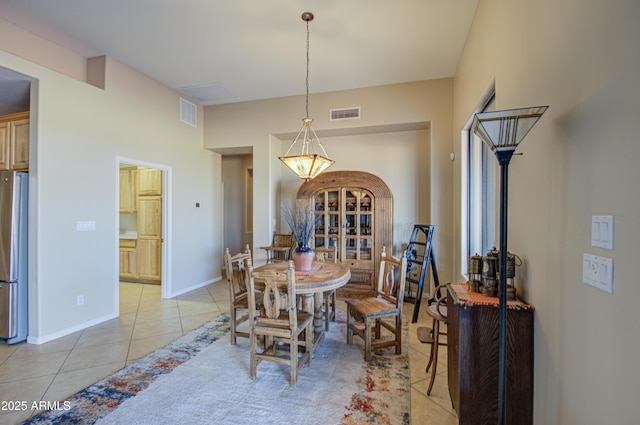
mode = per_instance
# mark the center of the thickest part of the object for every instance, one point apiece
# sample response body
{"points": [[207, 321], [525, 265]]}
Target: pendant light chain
{"points": [[307, 79]]}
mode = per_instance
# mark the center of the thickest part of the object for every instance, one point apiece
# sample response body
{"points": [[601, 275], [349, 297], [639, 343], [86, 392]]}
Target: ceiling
{"points": [[223, 51]]}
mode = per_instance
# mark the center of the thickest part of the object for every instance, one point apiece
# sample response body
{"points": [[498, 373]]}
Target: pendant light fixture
{"points": [[308, 164]]}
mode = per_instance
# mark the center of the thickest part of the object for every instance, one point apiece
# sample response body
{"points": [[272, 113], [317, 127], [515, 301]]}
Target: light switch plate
{"points": [[598, 272], [602, 231]]}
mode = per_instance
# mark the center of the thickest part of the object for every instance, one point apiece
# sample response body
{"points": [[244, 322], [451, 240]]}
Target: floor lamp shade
{"points": [[504, 130]]}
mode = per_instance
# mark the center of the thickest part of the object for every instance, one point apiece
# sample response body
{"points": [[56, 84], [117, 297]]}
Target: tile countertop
{"points": [[128, 234]]}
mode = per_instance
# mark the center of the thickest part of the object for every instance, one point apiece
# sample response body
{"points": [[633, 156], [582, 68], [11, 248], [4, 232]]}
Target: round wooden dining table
{"points": [[323, 276]]}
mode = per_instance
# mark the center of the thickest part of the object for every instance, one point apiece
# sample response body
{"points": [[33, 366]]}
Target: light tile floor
{"points": [[54, 370]]}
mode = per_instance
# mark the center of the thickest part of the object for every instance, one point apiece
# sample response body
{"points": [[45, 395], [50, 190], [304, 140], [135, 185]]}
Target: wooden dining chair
{"points": [[366, 316], [281, 247], [238, 301], [278, 322], [329, 297]]}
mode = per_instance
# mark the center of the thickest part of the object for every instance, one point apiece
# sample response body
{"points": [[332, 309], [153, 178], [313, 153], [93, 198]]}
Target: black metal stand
{"points": [[420, 255]]}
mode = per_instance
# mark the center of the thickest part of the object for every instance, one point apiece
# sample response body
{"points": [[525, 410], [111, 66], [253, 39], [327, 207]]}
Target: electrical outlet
{"points": [[598, 272], [80, 299]]}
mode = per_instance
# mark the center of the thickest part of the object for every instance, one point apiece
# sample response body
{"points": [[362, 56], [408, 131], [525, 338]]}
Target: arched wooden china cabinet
{"points": [[354, 210]]}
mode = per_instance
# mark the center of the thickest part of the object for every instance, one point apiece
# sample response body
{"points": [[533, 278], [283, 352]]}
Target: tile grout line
{"points": [[133, 330]]}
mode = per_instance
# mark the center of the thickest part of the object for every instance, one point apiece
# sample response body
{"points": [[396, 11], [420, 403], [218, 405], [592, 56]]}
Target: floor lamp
{"points": [[503, 131]]}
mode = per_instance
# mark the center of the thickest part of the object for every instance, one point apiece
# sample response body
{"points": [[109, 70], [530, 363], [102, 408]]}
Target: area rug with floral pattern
{"points": [[202, 379]]}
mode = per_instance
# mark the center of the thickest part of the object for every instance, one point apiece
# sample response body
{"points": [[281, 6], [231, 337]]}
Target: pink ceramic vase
{"points": [[302, 259]]}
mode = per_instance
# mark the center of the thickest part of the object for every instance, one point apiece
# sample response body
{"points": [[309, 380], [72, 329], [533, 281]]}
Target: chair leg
{"points": [[253, 361], [434, 354], [330, 303], [293, 361], [309, 342], [430, 352], [377, 328], [349, 322], [367, 338], [398, 333], [232, 325]]}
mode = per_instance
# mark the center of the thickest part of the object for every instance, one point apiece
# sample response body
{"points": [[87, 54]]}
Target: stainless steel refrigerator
{"points": [[14, 188]]}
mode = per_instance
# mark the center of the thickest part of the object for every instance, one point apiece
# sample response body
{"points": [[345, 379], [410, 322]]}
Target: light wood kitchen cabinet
{"points": [[353, 210], [141, 193], [128, 190], [149, 182], [128, 259], [149, 249], [14, 142]]}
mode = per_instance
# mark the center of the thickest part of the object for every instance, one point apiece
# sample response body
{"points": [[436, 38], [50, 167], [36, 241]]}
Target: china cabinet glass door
{"points": [[328, 223], [345, 217], [357, 225]]}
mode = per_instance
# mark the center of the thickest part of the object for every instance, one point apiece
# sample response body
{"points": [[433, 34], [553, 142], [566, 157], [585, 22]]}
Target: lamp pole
{"points": [[503, 131], [504, 157]]}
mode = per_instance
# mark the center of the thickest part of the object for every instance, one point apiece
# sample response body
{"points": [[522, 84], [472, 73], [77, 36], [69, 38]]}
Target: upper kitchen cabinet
{"points": [[128, 190], [14, 142], [149, 182]]}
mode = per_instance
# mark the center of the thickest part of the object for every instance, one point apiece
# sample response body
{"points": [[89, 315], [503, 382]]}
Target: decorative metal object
{"points": [[475, 273], [489, 275], [513, 261], [503, 131], [308, 164]]}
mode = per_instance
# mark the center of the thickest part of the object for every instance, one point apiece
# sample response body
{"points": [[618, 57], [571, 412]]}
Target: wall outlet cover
{"points": [[598, 272]]}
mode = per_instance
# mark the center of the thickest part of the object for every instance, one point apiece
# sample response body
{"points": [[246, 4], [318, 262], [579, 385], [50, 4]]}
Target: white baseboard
{"points": [[196, 286], [68, 331]]}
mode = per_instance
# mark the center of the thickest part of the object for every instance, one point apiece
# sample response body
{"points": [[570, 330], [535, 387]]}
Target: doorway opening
{"points": [[237, 178], [143, 222]]}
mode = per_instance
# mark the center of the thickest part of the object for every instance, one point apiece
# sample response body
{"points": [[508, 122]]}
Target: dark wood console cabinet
{"points": [[472, 351]]}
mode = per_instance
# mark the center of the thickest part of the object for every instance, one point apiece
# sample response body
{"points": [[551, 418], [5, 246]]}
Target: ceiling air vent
{"points": [[352, 113], [188, 112]]}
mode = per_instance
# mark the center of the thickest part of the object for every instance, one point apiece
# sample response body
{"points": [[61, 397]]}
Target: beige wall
{"points": [[404, 136], [21, 43], [235, 204], [78, 132], [581, 58]]}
